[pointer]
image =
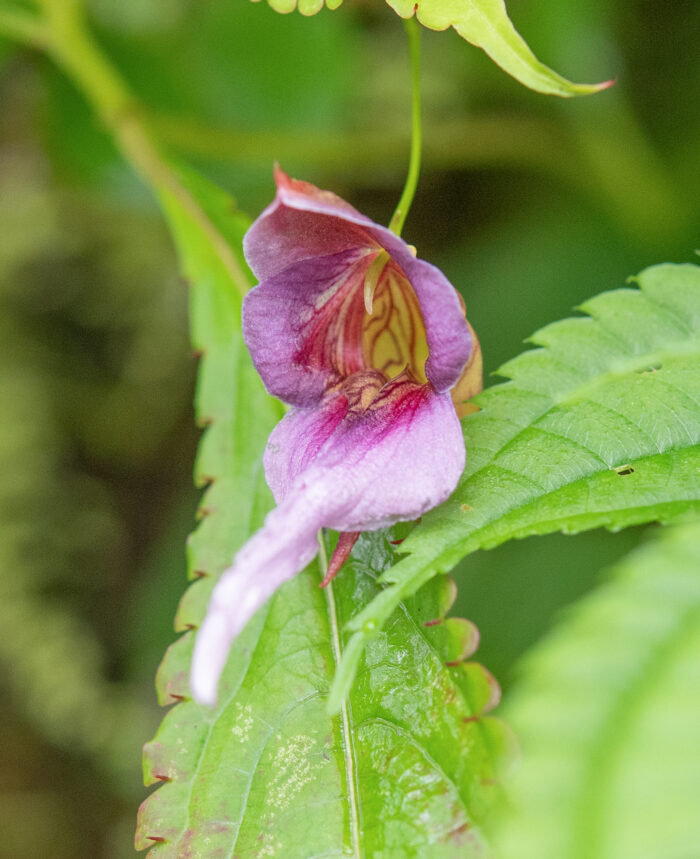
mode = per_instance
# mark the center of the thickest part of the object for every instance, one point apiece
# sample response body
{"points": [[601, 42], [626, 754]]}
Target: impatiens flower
{"points": [[370, 347]]}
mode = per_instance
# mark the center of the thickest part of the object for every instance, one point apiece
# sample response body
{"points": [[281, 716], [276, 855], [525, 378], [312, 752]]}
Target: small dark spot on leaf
{"points": [[157, 838], [462, 834], [622, 470], [199, 574], [434, 622], [162, 777], [177, 698], [453, 664], [397, 542], [465, 508], [471, 718]]}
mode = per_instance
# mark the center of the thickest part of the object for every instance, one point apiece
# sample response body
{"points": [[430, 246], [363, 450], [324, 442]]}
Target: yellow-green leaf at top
{"points": [[485, 23], [306, 7]]}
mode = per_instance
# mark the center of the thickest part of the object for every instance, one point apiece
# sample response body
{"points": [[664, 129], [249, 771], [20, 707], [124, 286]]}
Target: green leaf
{"points": [[599, 427], [607, 716], [485, 23], [411, 765], [306, 7]]}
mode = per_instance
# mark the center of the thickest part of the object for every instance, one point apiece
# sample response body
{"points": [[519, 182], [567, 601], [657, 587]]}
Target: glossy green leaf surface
{"points": [[411, 764], [607, 716], [598, 427]]}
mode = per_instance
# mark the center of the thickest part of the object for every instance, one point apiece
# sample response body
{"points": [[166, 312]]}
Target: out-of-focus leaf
{"points": [[306, 7], [412, 763], [607, 715], [599, 427]]}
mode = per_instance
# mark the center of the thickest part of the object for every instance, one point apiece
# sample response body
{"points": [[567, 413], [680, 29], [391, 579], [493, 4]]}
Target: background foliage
{"points": [[530, 205]]}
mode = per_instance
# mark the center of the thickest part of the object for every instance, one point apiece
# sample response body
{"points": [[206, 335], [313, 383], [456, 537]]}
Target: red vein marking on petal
{"points": [[394, 336]]}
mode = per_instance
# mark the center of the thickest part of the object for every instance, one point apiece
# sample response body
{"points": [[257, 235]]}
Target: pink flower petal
{"points": [[340, 467], [306, 228]]}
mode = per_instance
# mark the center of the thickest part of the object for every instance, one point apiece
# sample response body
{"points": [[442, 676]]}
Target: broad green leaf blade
{"points": [[607, 716], [428, 764], [485, 23], [599, 427], [411, 765]]}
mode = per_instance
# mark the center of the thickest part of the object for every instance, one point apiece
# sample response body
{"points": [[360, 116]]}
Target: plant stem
{"points": [[69, 42], [23, 27], [399, 217]]}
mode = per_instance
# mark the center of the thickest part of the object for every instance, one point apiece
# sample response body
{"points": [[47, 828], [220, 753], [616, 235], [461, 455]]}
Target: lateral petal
{"points": [[303, 326], [339, 468], [402, 456]]}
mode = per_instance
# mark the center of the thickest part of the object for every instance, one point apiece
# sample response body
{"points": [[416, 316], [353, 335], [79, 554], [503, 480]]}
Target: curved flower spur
{"points": [[370, 347]]}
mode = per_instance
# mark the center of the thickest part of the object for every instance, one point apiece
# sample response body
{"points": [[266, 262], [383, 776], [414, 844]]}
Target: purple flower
{"points": [[370, 347]]}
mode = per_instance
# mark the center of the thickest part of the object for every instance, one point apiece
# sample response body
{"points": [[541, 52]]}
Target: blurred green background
{"points": [[529, 204]]}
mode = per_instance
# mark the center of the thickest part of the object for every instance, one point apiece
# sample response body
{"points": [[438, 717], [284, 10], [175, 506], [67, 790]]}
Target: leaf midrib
{"points": [[348, 741]]}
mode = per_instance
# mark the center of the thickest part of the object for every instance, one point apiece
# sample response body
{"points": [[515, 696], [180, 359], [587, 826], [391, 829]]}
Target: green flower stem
{"points": [[399, 217], [67, 39]]}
